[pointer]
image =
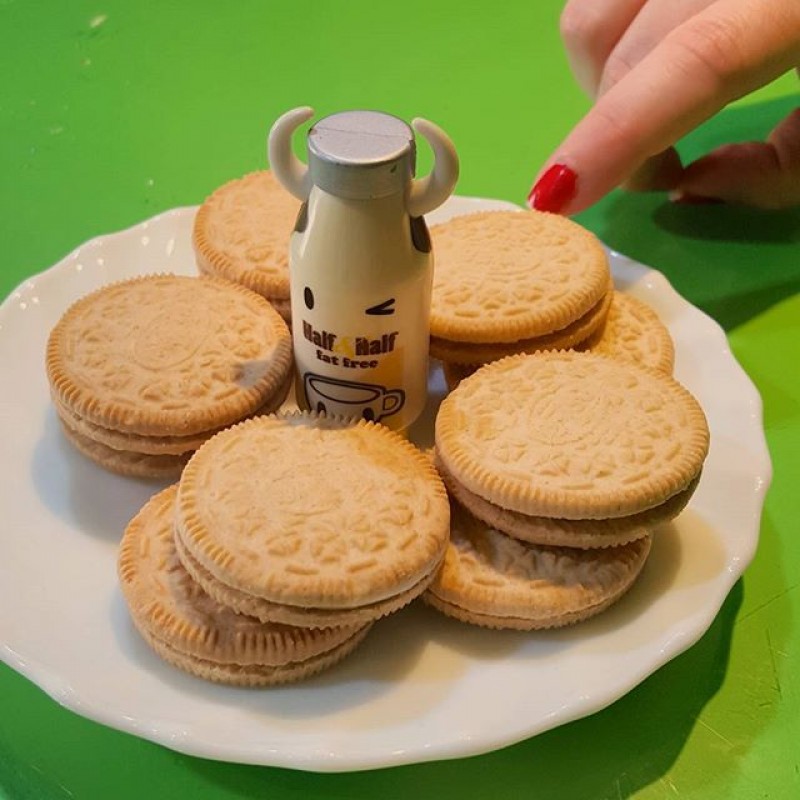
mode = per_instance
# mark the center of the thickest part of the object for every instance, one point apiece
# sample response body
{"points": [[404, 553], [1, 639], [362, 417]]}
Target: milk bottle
{"points": [[360, 261]]}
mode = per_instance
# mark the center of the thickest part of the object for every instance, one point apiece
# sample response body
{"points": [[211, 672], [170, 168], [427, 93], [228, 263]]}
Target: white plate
{"points": [[421, 687]]}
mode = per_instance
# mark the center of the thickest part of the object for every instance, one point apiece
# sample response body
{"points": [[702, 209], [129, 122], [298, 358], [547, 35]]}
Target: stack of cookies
{"points": [[189, 629], [574, 457], [496, 581], [286, 538], [142, 372], [634, 332], [241, 232], [509, 282]]}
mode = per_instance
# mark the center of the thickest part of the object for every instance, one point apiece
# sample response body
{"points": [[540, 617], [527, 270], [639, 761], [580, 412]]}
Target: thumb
{"points": [[761, 174]]}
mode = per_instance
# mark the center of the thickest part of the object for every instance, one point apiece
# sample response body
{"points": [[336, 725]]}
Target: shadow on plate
{"points": [[685, 553], [613, 753], [416, 643], [94, 501], [422, 645], [392, 650]]}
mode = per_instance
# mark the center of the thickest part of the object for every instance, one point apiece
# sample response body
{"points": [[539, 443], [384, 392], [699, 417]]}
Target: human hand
{"points": [[657, 69]]}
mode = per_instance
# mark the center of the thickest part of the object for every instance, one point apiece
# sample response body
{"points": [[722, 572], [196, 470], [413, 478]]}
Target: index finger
{"points": [[721, 53]]}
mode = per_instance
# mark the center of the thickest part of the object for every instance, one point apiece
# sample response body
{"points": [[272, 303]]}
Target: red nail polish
{"points": [[554, 189]]}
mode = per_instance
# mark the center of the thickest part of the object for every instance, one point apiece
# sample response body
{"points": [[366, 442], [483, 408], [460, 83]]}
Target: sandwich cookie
{"points": [[572, 436], [634, 332], [143, 371], [195, 633], [492, 580], [241, 232], [507, 282], [311, 521], [580, 533]]}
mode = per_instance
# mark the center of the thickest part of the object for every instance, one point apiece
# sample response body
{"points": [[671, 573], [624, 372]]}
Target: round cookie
{"points": [[253, 674], [241, 232], [154, 445], [126, 462], [492, 580], [167, 355], [634, 332], [152, 457], [192, 631], [580, 533], [571, 435], [477, 353], [505, 276], [266, 611], [311, 513]]}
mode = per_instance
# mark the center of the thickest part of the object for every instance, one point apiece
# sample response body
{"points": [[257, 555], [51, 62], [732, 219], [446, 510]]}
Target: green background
{"points": [[111, 112]]}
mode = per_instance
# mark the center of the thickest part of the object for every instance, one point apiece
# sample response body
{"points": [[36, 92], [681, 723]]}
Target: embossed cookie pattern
{"points": [[491, 579], [162, 352], [568, 434], [505, 276], [313, 516], [191, 630], [634, 332], [242, 233]]}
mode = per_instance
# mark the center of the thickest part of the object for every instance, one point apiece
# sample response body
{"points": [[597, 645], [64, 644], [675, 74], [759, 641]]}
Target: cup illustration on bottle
{"points": [[351, 398]]}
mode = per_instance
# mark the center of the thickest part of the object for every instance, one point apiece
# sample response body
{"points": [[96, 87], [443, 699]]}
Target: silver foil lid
{"points": [[361, 155]]}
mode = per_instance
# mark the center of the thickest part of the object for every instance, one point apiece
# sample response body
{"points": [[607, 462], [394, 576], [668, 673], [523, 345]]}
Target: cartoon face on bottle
{"points": [[330, 389]]}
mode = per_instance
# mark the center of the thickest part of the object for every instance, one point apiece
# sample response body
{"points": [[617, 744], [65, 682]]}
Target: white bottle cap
{"points": [[361, 155]]}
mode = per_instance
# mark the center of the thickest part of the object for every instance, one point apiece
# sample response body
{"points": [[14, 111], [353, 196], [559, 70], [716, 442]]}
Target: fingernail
{"points": [[688, 199], [554, 189]]}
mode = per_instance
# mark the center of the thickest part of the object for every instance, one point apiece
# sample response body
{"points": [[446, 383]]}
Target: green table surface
{"points": [[113, 111]]}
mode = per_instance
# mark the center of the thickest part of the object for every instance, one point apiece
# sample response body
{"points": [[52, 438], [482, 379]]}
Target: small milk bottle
{"points": [[360, 263]]}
